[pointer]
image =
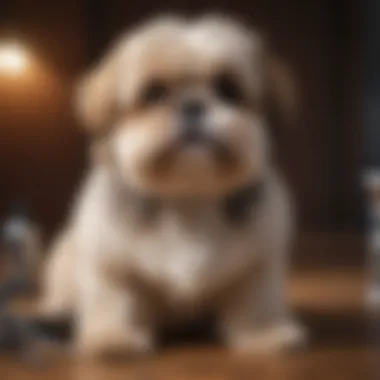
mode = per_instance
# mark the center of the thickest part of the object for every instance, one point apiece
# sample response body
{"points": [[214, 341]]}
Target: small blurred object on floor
{"points": [[21, 248], [371, 182]]}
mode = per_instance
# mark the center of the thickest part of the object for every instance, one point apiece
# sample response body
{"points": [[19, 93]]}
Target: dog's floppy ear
{"points": [[95, 98], [280, 97]]}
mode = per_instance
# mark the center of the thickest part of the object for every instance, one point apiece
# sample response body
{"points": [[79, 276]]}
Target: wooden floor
{"points": [[329, 299]]}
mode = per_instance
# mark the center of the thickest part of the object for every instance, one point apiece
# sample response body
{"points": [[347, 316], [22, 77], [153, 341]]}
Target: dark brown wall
{"points": [[42, 152]]}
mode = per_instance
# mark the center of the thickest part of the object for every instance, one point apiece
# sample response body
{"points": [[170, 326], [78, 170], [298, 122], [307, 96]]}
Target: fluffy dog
{"points": [[182, 212]]}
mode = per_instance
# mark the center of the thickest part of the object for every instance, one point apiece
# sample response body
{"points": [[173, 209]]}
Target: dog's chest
{"points": [[188, 256]]}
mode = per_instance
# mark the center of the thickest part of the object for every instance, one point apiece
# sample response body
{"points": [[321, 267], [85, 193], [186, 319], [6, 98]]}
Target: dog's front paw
{"points": [[114, 343], [271, 340]]}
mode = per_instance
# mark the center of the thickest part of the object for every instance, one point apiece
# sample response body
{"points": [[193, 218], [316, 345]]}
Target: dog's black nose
{"points": [[193, 111], [192, 114]]}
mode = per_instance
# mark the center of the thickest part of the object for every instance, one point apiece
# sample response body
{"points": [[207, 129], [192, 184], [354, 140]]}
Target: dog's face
{"points": [[179, 104]]}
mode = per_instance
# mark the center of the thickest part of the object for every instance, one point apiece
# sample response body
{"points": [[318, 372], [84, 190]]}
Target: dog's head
{"points": [[179, 106]]}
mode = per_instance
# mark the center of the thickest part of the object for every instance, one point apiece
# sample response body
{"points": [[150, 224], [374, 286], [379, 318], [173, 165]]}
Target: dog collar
{"points": [[238, 206]]}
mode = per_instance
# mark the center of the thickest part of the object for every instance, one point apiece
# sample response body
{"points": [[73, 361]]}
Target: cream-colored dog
{"points": [[182, 212]]}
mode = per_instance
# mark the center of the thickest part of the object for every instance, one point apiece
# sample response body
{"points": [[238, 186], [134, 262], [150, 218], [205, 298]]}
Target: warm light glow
{"points": [[13, 59]]}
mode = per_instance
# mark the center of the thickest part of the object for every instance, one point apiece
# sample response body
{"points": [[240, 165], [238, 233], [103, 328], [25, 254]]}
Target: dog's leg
{"points": [[112, 320], [58, 281], [256, 319]]}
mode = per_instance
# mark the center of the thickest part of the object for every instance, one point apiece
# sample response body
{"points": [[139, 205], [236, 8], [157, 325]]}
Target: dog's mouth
{"points": [[196, 148]]}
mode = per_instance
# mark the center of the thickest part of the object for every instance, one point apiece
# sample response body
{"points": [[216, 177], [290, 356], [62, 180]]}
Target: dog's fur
{"points": [[162, 231]]}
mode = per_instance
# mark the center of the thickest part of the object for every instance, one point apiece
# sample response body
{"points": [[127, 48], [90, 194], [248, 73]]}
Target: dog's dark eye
{"points": [[227, 89], [154, 93]]}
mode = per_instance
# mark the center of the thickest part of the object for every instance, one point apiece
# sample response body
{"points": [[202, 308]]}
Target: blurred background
{"points": [[332, 49]]}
